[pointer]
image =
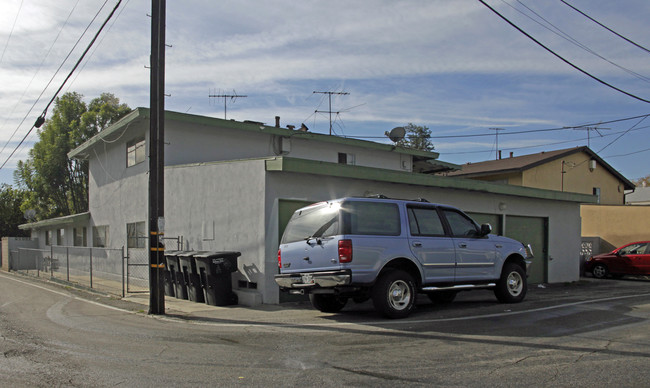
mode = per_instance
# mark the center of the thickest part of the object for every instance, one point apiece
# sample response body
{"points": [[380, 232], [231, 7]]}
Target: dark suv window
{"points": [[425, 222], [317, 221], [460, 224], [371, 218]]}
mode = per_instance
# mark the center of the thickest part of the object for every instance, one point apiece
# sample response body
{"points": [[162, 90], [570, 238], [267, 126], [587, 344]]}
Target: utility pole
{"points": [[225, 97], [329, 95], [496, 130], [157, 159]]}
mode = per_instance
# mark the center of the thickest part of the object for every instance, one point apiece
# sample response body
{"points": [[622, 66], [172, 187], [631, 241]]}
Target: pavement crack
{"points": [[383, 376]]}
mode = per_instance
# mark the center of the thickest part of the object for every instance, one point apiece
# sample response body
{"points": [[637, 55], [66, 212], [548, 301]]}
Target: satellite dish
{"points": [[396, 134], [30, 214]]}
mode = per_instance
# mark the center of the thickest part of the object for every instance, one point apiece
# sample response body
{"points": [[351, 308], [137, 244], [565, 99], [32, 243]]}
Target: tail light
{"points": [[279, 259], [345, 251]]}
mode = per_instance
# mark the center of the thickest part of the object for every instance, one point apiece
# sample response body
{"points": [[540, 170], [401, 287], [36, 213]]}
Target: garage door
{"points": [[533, 231], [493, 219]]}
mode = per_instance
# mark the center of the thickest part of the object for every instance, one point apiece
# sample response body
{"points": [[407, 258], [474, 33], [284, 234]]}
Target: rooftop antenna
{"points": [[329, 95], [225, 97], [589, 129], [496, 153]]}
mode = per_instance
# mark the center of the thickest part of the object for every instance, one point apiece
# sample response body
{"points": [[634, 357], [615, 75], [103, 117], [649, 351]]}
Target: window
{"points": [[347, 158], [634, 249], [135, 235], [100, 236], [135, 152], [425, 222], [80, 237], [48, 237], [371, 218], [460, 224], [316, 221], [60, 236], [596, 192]]}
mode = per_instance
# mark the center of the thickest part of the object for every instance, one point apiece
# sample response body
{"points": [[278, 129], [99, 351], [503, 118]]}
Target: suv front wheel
{"points": [[394, 294], [512, 286]]}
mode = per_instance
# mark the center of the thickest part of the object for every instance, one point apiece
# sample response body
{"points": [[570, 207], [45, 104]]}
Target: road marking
{"points": [[336, 324]]}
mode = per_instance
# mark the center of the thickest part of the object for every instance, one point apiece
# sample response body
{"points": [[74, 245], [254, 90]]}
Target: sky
{"points": [[453, 66]]}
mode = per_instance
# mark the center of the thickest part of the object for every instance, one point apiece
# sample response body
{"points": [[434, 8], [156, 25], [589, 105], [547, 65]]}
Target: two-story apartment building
{"points": [[233, 185]]}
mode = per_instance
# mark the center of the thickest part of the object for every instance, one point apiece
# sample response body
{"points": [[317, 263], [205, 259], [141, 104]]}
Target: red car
{"points": [[630, 259]]}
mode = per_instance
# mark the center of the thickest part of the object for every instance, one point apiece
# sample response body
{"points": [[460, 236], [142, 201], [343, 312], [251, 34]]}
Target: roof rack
{"points": [[381, 196]]}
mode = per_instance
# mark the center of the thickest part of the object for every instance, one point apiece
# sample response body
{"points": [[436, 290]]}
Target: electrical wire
{"points": [[572, 40], [20, 7], [605, 27], [623, 134], [34, 76], [561, 57], [41, 118]]}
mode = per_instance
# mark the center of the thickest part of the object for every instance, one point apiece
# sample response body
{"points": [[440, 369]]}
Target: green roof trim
{"points": [[144, 114], [286, 164], [56, 222]]}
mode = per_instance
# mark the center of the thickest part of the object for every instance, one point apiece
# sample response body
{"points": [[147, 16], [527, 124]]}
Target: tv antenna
{"points": [[496, 130], [589, 129], [225, 97], [329, 97]]}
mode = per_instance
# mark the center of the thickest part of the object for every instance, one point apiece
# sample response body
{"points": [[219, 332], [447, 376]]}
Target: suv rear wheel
{"points": [[512, 286], [327, 303], [394, 294]]}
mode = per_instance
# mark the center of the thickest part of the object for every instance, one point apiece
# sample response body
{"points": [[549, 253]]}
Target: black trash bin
{"points": [[176, 275], [215, 269], [171, 264], [191, 276]]}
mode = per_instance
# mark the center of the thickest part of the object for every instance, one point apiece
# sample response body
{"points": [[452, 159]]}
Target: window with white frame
{"points": [[135, 235], [135, 152]]}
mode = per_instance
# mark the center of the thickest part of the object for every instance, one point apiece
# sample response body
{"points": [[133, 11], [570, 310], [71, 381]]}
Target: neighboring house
{"points": [[640, 196], [606, 224], [575, 170], [233, 186]]}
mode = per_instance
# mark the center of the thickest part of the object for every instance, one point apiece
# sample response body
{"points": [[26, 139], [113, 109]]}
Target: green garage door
{"points": [[286, 207], [533, 231]]}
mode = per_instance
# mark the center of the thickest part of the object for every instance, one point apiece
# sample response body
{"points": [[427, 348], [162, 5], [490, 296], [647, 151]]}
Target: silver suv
{"points": [[390, 250]]}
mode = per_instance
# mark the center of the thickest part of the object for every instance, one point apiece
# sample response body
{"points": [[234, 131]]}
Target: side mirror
{"points": [[486, 229]]}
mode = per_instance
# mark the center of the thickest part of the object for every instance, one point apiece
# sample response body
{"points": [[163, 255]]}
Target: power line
{"points": [[605, 27], [41, 119], [20, 7], [562, 58], [38, 70], [572, 40]]}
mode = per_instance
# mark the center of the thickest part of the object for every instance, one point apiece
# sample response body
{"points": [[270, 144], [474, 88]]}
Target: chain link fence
{"points": [[114, 271], [101, 269]]}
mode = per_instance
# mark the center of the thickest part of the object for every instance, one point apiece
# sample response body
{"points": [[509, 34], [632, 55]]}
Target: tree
{"points": [[10, 214], [417, 137], [56, 185], [642, 182]]}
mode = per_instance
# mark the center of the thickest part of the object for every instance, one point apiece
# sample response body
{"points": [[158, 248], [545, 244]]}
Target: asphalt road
{"points": [[589, 334]]}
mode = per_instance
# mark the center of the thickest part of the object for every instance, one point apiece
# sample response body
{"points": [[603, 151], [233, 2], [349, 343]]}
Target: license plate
{"points": [[307, 279]]}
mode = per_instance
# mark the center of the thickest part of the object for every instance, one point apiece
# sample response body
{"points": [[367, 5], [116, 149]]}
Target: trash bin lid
{"points": [[189, 253], [210, 254], [172, 253]]}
